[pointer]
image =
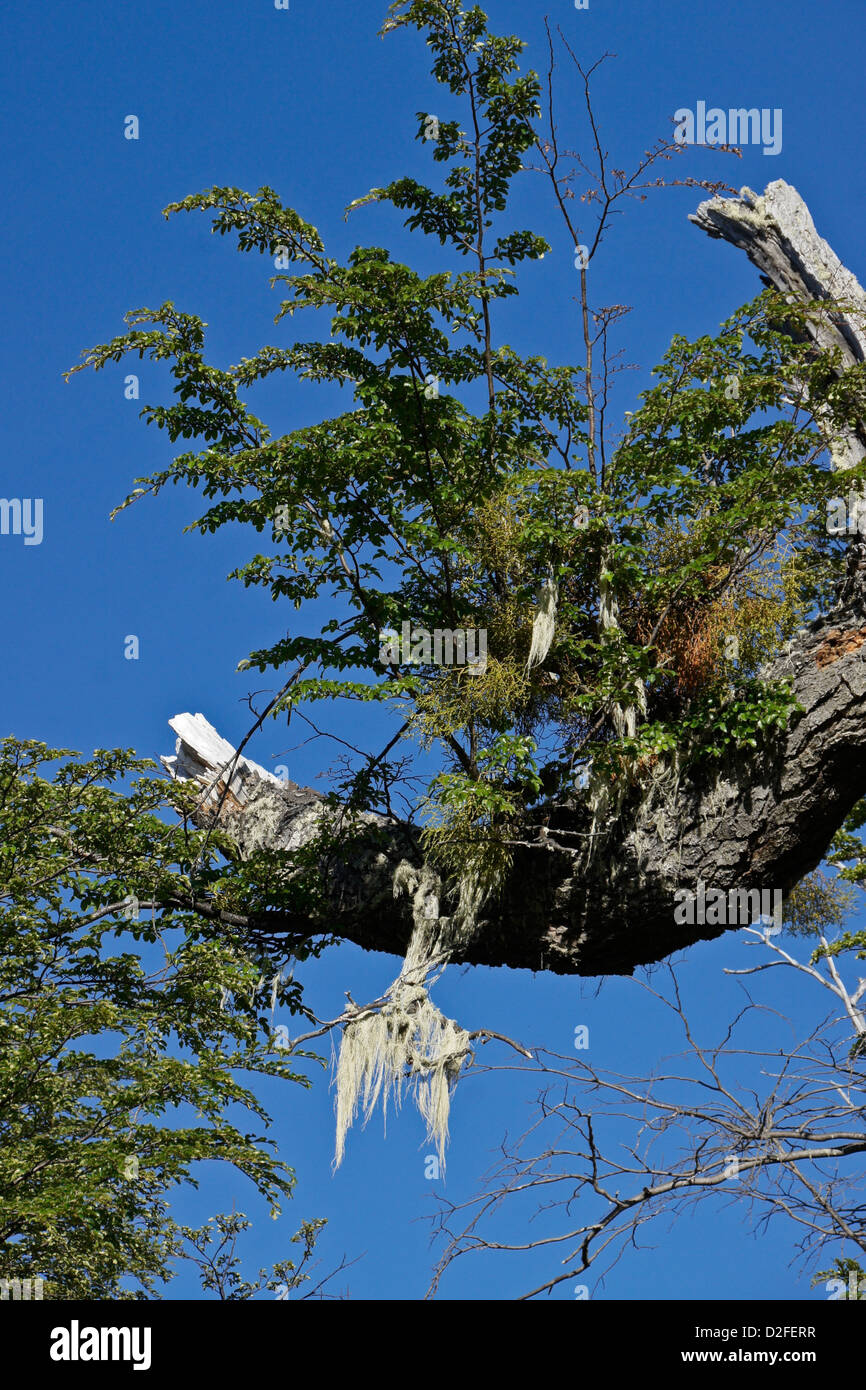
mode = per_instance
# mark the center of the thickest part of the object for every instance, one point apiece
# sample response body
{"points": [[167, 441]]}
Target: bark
{"points": [[580, 904]]}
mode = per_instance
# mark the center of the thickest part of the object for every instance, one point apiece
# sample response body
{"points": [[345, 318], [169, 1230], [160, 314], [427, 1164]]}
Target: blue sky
{"points": [[313, 103]]}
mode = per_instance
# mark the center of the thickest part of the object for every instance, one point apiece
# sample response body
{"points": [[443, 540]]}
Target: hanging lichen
{"points": [[544, 623], [408, 1041]]}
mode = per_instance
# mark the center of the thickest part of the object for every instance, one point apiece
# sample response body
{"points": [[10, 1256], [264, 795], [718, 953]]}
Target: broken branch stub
{"points": [[776, 231]]}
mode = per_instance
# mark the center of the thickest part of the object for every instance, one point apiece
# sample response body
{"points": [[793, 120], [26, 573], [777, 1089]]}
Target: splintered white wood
{"points": [[777, 233], [204, 756]]}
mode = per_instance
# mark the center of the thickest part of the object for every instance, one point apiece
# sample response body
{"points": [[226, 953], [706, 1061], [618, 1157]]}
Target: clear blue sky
{"points": [[313, 103]]}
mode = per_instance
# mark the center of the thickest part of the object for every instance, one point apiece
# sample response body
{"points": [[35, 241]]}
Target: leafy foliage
{"points": [[129, 1023], [465, 475], [212, 1248]]}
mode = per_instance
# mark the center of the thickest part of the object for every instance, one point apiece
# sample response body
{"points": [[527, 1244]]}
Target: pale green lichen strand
{"points": [[408, 1041]]}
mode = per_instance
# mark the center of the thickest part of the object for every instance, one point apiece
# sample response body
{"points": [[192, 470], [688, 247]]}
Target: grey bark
{"points": [[577, 903]]}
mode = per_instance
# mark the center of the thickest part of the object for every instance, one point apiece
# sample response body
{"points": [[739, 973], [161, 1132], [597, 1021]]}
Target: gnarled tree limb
{"points": [[577, 906]]}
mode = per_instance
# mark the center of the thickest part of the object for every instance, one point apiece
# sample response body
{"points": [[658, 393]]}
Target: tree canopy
{"points": [[639, 583], [472, 487]]}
